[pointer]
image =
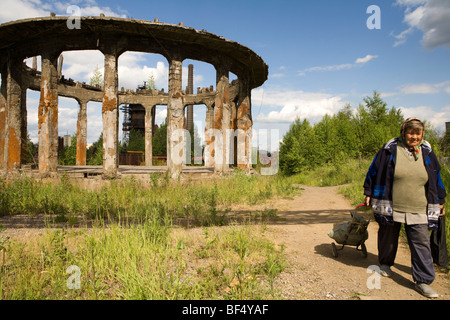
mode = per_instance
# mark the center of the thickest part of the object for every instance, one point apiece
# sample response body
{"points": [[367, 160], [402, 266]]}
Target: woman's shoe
{"points": [[426, 290], [385, 270]]}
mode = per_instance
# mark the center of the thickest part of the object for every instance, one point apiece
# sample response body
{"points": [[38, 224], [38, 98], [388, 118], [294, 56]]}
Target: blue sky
{"points": [[321, 55]]}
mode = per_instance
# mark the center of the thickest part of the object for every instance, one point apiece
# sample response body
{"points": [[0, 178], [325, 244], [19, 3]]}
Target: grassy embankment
{"points": [[133, 249]]}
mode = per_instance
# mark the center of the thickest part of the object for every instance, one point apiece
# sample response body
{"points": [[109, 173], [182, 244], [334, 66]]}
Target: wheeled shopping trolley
{"points": [[351, 233]]}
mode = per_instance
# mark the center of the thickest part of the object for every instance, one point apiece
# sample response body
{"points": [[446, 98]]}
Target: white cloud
{"points": [[437, 118], [425, 88], [79, 65], [366, 59], [161, 114], [421, 88], [87, 10], [277, 75], [388, 94], [22, 9], [335, 67], [429, 16], [132, 74], [410, 2], [338, 67], [293, 104], [402, 36], [132, 70]]}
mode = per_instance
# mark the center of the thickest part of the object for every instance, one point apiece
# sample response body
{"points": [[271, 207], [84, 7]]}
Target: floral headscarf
{"points": [[415, 151]]}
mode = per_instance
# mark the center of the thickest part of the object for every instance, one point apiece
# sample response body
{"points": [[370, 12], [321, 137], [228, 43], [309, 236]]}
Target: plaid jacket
{"points": [[380, 176]]}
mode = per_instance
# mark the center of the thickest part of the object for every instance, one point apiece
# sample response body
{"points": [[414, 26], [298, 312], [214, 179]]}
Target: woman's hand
{"points": [[442, 211], [367, 201]]}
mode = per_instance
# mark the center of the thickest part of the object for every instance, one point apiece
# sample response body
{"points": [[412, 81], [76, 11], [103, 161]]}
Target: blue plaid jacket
{"points": [[380, 176]]}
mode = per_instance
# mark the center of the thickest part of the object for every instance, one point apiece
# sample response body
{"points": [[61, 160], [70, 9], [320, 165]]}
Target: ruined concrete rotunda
{"points": [[228, 122]]}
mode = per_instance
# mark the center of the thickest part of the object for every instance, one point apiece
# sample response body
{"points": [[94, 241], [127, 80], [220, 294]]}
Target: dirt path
{"points": [[314, 273]]}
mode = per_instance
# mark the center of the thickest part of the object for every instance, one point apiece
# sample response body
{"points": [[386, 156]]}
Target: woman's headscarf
{"points": [[417, 149]]}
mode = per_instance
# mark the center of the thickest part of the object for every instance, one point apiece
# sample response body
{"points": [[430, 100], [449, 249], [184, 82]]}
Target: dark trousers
{"points": [[419, 244]]}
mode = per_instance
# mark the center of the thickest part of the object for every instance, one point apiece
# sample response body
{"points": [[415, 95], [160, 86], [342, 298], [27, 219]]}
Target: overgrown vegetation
{"points": [[133, 250], [345, 135], [142, 261], [130, 198]]}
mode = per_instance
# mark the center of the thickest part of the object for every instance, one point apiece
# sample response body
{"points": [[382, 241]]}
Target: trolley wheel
{"points": [[333, 247], [364, 249]]}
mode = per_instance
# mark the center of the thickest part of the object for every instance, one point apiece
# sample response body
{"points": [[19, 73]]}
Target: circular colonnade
{"points": [[228, 120]]}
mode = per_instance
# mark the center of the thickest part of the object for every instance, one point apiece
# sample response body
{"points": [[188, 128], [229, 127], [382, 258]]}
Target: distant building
{"points": [[133, 118], [67, 141], [64, 142]]}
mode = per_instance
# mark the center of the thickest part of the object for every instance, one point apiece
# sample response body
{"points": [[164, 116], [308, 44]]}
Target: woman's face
{"points": [[413, 137]]}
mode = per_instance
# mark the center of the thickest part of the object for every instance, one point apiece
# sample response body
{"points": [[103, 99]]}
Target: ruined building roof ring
{"points": [[30, 37]]}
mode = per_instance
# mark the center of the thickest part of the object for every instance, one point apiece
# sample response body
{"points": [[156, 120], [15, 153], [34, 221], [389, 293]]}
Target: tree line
{"points": [[350, 133]]}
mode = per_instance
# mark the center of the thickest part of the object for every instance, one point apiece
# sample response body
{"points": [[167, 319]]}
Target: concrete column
{"points": [[148, 135], [233, 127], [48, 114], [176, 143], [190, 107], [153, 120], [222, 119], [24, 123], [244, 125], [3, 118], [209, 137], [13, 116], [82, 134], [110, 116]]}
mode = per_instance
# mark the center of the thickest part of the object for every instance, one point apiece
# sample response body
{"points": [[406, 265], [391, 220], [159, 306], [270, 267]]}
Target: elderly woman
{"points": [[403, 185]]}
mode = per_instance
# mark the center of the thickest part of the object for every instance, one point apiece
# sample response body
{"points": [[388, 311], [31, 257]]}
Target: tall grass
{"points": [[143, 261], [139, 254], [340, 172], [202, 202]]}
